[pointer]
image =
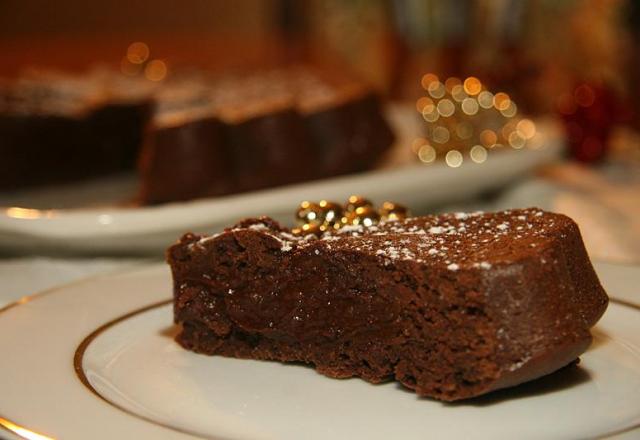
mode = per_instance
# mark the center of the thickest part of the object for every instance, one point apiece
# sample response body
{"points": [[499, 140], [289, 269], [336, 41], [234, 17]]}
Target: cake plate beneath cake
{"points": [[89, 219], [96, 359]]}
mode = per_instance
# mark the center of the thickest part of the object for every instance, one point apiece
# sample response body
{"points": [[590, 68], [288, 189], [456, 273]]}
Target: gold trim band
{"points": [[78, 358], [21, 431], [81, 349]]}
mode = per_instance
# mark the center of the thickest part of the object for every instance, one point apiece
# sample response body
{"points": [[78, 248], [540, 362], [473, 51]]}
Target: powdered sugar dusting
{"points": [[458, 241]]}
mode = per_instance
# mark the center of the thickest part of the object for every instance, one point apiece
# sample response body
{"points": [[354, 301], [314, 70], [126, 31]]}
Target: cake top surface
{"points": [[455, 240], [233, 97], [237, 97], [56, 93]]}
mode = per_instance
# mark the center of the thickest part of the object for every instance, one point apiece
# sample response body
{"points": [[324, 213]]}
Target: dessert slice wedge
{"points": [[452, 306]]}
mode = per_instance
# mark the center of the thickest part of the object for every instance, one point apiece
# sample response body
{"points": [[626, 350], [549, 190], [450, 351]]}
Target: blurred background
{"points": [[572, 65], [539, 51]]}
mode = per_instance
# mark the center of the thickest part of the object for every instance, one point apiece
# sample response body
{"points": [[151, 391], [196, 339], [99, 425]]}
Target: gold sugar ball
{"points": [[393, 211], [309, 229], [330, 213], [309, 213], [363, 215], [355, 202]]}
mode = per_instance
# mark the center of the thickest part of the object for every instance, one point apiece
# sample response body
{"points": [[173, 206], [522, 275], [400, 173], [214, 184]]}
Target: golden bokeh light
{"points": [[488, 138], [430, 113], [472, 85], [440, 135], [526, 128], [155, 70], [458, 93], [436, 89], [446, 107], [452, 82], [465, 119], [516, 140], [501, 101], [485, 99], [508, 128], [422, 102], [453, 158], [464, 130], [478, 154], [427, 153], [138, 52], [510, 111], [470, 106], [427, 79]]}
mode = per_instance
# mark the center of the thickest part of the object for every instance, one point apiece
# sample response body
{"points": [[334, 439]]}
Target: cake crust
{"points": [[451, 306]]}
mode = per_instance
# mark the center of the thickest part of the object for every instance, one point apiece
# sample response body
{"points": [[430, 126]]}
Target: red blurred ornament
{"points": [[589, 114]]}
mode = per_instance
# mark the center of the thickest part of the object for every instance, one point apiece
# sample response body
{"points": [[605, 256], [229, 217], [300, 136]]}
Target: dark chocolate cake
{"points": [[192, 135], [58, 129], [247, 132], [451, 306]]}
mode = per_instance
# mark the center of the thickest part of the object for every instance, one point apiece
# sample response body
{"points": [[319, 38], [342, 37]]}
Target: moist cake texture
{"points": [[452, 306]]}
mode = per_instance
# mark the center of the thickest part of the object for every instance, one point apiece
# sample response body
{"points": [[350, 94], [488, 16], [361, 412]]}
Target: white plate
{"points": [[143, 230], [140, 384]]}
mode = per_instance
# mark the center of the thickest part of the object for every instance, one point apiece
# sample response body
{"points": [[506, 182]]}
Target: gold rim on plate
{"points": [[28, 434]]}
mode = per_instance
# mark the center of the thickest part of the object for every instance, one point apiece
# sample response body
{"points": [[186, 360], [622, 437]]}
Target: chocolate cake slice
{"points": [[451, 306]]}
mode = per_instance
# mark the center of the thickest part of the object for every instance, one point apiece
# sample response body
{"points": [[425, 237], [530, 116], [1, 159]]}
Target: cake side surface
{"points": [[276, 128], [451, 306]]}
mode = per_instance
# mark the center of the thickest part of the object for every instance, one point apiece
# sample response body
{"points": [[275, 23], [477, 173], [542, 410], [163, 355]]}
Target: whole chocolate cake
{"points": [[451, 306], [246, 132], [57, 128], [192, 135]]}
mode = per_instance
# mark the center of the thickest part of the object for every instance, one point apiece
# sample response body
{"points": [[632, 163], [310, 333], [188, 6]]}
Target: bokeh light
{"points": [[465, 119], [501, 101], [478, 154], [584, 95], [472, 85], [453, 158], [526, 128], [427, 153], [488, 138], [138, 52], [446, 107], [485, 99], [470, 106], [422, 102], [451, 83], [155, 70], [436, 89], [427, 79], [440, 135]]}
